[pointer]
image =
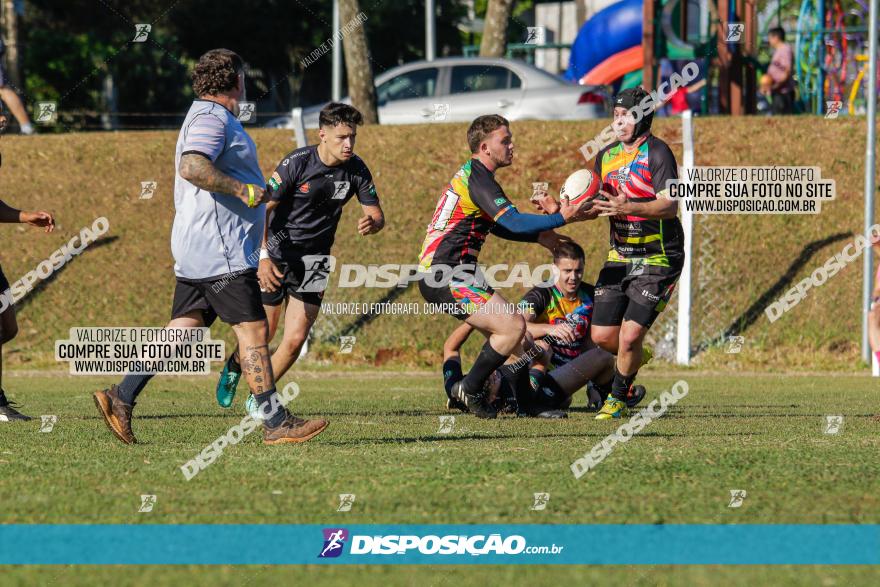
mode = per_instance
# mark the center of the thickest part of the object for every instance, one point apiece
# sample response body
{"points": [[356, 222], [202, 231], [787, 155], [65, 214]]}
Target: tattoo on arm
{"points": [[200, 172], [257, 367]]}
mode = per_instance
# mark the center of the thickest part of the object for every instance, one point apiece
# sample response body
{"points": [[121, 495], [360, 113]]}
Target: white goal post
{"points": [[683, 334]]}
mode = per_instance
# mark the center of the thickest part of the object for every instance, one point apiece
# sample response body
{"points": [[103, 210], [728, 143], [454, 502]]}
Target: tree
{"points": [[358, 66], [494, 42]]}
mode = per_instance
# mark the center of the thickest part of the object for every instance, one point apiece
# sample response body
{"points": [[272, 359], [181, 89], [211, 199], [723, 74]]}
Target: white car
{"points": [[458, 89]]}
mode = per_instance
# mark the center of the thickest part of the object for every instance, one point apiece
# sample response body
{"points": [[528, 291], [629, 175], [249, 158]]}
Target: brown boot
{"points": [[293, 429], [116, 414]]}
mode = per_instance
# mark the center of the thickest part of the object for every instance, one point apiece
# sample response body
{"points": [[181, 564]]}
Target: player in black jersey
{"points": [[307, 193], [647, 243]]}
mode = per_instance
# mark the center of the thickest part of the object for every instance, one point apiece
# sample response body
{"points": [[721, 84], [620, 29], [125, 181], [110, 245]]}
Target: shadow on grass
{"points": [[751, 315], [44, 283]]}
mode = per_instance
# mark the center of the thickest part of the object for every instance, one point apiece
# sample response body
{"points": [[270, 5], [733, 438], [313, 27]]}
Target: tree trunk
{"points": [[10, 36], [358, 67], [494, 42]]}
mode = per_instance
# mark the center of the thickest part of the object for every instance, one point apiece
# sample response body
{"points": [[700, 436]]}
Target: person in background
{"points": [[11, 99], [780, 71]]}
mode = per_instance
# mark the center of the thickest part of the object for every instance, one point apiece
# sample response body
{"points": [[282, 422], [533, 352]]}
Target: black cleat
{"points": [[454, 404], [635, 395], [8, 413], [476, 403]]}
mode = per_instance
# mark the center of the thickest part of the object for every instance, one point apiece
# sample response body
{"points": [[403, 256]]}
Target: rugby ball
{"points": [[581, 186]]}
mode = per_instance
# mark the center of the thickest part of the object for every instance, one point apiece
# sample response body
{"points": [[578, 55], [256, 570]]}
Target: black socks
{"points": [[451, 374], [621, 384], [517, 377], [232, 364], [487, 361], [264, 400], [131, 386]]}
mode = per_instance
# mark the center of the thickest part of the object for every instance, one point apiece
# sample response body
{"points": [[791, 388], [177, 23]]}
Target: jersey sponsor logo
{"points": [[304, 188], [499, 201], [275, 181], [340, 190], [650, 296], [372, 190], [621, 175]]}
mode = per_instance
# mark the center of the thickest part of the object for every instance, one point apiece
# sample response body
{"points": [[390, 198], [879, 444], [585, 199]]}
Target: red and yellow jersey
{"points": [[641, 176], [467, 210]]}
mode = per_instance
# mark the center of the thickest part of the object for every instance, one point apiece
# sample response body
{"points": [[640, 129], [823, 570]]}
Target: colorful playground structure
{"points": [[831, 51], [624, 44]]}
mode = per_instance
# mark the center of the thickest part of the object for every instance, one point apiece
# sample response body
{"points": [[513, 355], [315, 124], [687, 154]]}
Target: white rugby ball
{"points": [[582, 185]]}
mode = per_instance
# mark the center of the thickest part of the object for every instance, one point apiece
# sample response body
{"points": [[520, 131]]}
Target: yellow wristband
{"points": [[250, 188]]}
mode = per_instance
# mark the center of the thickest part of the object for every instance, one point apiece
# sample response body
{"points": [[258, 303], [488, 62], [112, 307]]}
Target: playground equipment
{"points": [[831, 52], [623, 45]]}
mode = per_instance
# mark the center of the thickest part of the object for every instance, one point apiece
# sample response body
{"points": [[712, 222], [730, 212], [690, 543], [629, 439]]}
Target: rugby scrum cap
{"points": [[631, 98]]}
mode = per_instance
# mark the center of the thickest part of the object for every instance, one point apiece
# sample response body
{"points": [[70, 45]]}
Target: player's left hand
{"points": [[40, 219], [615, 205], [366, 225]]}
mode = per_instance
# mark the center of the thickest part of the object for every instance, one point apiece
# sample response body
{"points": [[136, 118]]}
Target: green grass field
{"points": [[763, 434]]}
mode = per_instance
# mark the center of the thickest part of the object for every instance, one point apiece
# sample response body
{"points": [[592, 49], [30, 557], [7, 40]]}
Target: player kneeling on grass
{"points": [[218, 224], [471, 206], [8, 324], [558, 319], [306, 195], [647, 243]]}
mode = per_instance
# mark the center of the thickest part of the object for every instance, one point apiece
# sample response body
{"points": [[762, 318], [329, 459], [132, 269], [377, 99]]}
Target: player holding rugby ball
{"points": [[647, 243]]}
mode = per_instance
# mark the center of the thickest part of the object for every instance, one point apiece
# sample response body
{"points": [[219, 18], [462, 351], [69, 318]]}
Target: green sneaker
{"points": [[253, 408], [613, 408], [226, 386]]}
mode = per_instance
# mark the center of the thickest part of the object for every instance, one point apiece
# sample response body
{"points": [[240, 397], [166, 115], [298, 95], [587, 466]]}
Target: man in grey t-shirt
{"points": [[219, 219]]}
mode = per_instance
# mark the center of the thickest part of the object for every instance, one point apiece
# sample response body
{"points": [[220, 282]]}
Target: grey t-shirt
{"points": [[215, 234]]}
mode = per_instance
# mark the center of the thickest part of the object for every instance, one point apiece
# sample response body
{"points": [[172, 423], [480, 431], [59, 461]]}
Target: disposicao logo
{"points": [[334, 540]]}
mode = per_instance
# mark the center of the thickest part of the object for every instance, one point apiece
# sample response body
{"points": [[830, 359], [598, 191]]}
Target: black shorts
{"points": [[4, 283], [456, 298], [308, 287], [234, 299], [628, 291]]}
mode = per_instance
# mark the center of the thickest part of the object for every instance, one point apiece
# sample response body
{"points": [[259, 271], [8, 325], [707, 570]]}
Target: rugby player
{"points": [[8, 324], [218, 224], [647, 243], [471, 206], [306, 195], [558, 319]]}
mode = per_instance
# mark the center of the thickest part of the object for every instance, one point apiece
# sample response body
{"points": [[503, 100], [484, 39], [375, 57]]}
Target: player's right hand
{"points": [[40, 219], [563, 332], [268, 275]]}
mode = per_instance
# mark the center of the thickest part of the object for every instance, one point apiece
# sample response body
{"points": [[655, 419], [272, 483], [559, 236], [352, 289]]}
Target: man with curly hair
{"points": [[219, 220]]}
